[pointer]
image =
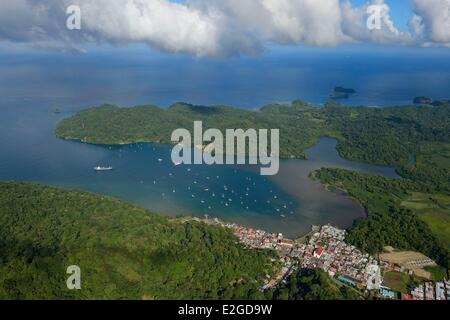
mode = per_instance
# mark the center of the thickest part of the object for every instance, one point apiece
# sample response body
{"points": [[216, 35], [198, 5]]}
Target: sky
{"points": [[223, 28], [401, 10]]}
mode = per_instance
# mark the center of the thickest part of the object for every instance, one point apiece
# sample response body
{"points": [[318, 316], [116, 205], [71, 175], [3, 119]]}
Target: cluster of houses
{"points": [[429, 291], [258, 239], [263, 240], [325, 249], [288, 266]]}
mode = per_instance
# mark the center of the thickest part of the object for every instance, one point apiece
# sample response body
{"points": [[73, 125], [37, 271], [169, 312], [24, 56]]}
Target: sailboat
{"points": [[100, 168]]}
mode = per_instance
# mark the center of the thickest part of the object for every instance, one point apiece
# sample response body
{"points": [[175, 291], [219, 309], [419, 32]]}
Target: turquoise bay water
{"points": [[144, 175], [32, 84]]}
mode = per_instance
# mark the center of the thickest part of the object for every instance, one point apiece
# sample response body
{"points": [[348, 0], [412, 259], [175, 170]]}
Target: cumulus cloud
{"points": [[216, 27], [355, 24], [168, 26], [199, 27], [431, 21], [283, 21]]}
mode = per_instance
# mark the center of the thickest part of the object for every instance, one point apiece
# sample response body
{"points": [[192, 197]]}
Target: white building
{"points": [[374, 277]]}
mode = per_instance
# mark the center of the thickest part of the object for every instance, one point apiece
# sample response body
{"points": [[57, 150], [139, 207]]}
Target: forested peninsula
{"points": [[392, 136]]}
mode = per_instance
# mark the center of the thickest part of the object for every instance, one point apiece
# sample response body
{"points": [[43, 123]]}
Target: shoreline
{"points": [[298, 184]]}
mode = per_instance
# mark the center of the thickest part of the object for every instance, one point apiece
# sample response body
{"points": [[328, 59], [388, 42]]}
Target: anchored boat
{"points": [[100, 168]]}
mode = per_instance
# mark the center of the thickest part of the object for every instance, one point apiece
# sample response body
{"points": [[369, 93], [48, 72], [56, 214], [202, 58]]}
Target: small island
{"points": [[342, 93], [56, 110], [423, 100]]}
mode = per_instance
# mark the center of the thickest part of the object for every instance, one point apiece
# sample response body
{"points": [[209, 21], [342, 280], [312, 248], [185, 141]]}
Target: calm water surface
{"points": [[289, 202], [31, 84]]}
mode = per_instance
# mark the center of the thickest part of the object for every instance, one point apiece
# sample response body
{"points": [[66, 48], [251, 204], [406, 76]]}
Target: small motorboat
{"points": [[100, 168]]}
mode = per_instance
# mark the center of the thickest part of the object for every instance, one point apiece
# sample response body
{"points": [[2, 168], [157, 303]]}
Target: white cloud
{"points": [[431, 21], [216, 27], [285, 21], [168, 26], [355, 25]]}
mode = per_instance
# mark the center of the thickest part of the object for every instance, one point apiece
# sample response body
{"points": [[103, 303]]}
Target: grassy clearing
{"points": [[434, 209], [438, 273], [398, 281]]}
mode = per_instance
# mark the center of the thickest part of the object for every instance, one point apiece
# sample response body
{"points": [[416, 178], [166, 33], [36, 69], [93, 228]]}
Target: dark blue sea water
{"points": [[32, 83], [130, 76]]}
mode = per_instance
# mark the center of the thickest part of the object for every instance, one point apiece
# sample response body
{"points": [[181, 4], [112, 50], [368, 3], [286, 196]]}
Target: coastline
{"points": [[317, 203]]}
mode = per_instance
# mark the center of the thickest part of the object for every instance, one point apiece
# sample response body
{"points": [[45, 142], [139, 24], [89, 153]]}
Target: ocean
{"points": [[32, 83]]}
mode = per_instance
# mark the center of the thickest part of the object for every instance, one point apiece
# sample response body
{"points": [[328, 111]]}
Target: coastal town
{"points": [[325, 248]]}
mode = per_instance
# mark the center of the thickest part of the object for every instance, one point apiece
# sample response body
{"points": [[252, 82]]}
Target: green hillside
{"points": [[128, 253], [434, 209], [110, 124], [307, 284], [389, 222], [124, 252]]}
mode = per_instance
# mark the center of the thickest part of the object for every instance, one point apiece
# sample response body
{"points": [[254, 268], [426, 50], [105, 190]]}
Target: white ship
{"points": [[100, 168]]}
